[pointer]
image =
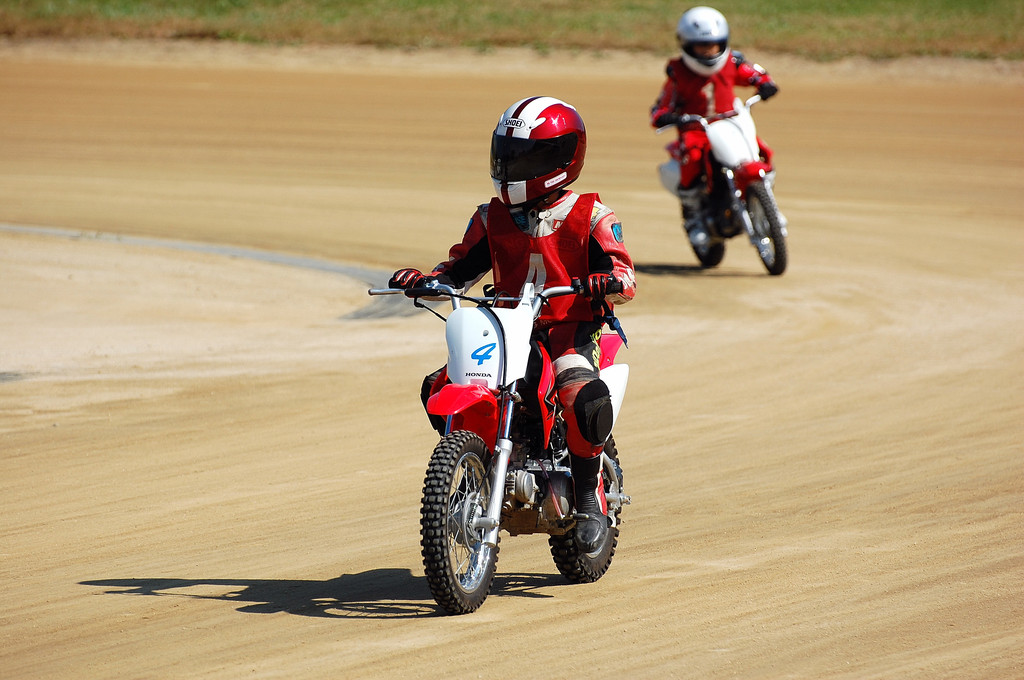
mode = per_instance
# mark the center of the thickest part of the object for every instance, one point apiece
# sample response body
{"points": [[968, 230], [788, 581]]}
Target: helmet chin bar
{"points": [[534, 202], [706, 67]]}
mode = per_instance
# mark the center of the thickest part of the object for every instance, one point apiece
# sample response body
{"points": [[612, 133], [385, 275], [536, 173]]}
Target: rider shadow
{"points": [[375, 594], [664, 269]]}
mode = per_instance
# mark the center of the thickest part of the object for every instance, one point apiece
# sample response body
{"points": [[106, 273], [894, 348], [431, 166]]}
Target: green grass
{"points": [[819, 29]]}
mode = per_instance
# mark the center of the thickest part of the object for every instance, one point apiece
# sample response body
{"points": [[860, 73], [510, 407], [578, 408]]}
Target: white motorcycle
{"points": [[502, 462], [738, 181]]}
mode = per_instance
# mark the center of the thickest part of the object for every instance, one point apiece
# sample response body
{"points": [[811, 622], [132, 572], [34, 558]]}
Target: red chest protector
{"points": [[692, 89], [552, 260]]}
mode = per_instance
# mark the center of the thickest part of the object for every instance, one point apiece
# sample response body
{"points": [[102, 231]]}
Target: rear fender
{"points": [[468, 407], [615, 376], [610, 345]]}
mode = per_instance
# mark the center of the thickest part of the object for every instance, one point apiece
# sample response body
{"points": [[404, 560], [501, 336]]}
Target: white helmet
{"points": [[703, 26]]}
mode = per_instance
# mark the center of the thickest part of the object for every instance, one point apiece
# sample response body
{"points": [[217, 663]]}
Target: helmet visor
{"points": [[706, 53], [516, 159]]}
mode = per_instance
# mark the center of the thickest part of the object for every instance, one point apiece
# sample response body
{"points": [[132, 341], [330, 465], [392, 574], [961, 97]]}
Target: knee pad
{"points": [[593, 411]]}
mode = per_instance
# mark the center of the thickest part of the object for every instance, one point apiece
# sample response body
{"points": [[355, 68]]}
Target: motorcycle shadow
{"points": [[665, 269], [375, 594]]}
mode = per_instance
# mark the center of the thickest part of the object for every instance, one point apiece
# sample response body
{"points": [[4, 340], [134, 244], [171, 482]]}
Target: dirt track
{"points": [[209, 469]]}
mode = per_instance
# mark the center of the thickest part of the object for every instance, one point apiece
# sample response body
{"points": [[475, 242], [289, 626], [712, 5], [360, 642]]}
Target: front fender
{"points": [[468, 407], [747, 174]]}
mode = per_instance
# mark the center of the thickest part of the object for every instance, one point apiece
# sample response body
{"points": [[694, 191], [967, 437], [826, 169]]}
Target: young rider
{"points": [[701, 81], [537, 230]]}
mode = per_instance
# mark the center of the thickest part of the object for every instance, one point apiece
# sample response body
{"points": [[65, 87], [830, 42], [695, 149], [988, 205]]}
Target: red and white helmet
{"points": [[537, 148]]}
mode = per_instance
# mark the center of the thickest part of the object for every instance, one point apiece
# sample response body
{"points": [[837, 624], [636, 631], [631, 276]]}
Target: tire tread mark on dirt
{"points": [[378, 308]]}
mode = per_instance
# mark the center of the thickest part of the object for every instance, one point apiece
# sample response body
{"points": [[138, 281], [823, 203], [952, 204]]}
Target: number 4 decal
{"points": [[537, 274], [483, 353]]}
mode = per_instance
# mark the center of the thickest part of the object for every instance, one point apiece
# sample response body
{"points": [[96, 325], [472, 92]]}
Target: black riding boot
{"points": [[590, 532], [692, 200]]}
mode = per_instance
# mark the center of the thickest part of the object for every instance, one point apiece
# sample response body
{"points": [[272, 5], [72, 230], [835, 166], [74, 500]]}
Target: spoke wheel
{"points": [[576, 565], [709, 255], [458, 565]]}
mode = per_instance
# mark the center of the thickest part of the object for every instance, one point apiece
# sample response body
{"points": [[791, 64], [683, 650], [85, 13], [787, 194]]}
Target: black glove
{"points": [[406, 279], [598, 286], [666, 119], [767, 89]]}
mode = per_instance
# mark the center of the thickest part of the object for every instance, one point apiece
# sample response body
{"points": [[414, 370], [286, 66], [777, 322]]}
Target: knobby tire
{"points": [[764, 213], [712, 256], [573, 563], [459, 569]]}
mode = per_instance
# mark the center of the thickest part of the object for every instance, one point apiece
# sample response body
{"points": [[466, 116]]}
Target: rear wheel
{"points": [[576, 565], [709, 255], [458, 565], [768, 228]]}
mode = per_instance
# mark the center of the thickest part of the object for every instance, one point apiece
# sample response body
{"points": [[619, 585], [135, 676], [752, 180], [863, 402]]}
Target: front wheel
{"points": [[459, 566], [769, 231], [573, 563]]}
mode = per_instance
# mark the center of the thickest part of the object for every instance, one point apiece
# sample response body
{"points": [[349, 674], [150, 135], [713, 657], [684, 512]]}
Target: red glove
{"points": [[598, 286], [405, 278]]}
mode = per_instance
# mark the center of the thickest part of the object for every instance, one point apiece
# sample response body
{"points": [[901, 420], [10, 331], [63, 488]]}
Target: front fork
{"points": [[739, 207], [491, 521]]}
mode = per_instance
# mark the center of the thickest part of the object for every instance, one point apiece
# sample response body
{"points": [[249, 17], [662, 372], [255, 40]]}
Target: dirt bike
{"points": [[739, 177], [502, 462]]}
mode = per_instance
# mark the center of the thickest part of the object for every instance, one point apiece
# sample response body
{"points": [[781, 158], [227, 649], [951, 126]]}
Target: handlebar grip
{"points": [[423, 291], [615, 286]]}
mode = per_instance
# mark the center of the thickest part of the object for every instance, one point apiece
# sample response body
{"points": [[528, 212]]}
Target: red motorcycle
{"points": [[502, 462], [738, 199]]}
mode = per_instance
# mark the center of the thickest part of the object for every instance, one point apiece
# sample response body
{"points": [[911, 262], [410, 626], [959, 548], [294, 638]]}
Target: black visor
{"points": [[707, 61], [516, 159]]}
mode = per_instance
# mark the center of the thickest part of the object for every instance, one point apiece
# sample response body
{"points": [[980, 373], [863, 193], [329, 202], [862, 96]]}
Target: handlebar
{"points": [[704, 121], [436, 289], [422, 291], [441, 290]]}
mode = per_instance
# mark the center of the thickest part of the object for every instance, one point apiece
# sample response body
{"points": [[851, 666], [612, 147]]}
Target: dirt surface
{"points": [[210, 462]]}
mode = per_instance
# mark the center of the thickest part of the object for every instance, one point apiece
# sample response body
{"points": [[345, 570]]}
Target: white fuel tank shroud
{"points": [[478, 350], [734, 140]]}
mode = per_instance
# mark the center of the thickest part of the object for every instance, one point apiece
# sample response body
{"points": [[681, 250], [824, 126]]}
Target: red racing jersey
{"points": [[570, 239], [686, 92]]}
